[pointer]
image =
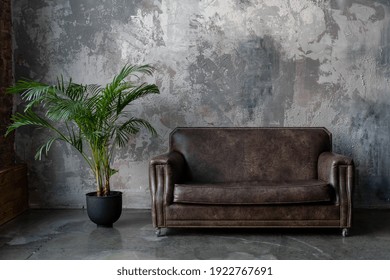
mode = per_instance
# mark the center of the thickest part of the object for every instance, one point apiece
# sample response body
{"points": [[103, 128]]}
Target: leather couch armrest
{"points": [[164, 172], [339, 172], [168, 158]]}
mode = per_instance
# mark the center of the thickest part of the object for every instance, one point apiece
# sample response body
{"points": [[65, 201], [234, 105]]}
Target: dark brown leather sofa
{"points": [[251, 177]]}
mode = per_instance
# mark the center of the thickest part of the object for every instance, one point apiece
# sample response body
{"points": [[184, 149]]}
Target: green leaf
{"points": [[124, 131], [136, 93], [28, 118], [45, 148], [30, 90], [113, 171]]}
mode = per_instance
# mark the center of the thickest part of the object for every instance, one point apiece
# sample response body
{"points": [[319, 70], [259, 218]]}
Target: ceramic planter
{"points": [[104, 210]]}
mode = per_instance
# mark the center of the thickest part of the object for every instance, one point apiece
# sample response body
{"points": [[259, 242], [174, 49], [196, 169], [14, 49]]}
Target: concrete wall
{"points": [[219, 63]]}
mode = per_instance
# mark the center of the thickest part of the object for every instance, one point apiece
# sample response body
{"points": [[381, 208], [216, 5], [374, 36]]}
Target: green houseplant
{"points": [[93, 119]]}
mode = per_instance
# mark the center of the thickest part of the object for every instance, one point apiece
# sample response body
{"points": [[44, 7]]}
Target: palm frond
{"points": [[75, 92], [30, 90], [45, 148], [140, 91], [113, 171], [144, 69], [28, 118], [119, 85], [75, 139], [128, 70], [72, 101], [93, 90], [124, 131], [63, 109], [61, 84]]}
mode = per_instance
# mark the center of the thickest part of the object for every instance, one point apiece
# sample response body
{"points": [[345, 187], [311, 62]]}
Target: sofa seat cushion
{"points": [[256, 192]]}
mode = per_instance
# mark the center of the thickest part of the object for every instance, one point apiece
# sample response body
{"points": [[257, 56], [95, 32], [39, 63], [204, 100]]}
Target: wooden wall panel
{"points": [[13, 192]]}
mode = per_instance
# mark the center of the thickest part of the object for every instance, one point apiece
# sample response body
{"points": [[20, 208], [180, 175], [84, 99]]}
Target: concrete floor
{"points": [[68, 234]]}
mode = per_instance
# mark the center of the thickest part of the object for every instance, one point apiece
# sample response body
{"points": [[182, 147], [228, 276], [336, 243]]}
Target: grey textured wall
{"points": [[220, 63]]}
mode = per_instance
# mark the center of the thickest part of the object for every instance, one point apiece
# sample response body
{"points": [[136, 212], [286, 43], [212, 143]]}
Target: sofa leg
{"points": [[158, 232], [345, 232]]}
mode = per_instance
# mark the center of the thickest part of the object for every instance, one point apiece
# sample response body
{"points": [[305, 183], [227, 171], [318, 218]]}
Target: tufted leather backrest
{"points": [[251, 154]]}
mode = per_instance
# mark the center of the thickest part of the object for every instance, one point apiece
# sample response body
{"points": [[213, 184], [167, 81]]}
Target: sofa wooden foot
{"points": [[345, 232], [158, 232]]}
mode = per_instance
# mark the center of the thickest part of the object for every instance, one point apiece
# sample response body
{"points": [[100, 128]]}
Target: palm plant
{"points": [[94, 119]]}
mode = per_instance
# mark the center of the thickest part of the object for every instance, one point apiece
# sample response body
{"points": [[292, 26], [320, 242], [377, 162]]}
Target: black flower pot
{"points": [[104, 210]]}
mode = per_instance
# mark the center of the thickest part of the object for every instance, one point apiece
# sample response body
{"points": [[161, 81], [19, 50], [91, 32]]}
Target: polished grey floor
{"points": [[68, 234]]}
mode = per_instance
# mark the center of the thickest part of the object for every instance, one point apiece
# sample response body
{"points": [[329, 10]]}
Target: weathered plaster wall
{"points": [[219, 63]]}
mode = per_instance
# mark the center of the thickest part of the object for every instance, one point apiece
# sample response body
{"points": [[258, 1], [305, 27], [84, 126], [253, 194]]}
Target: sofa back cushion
{"points": [[250, 154]]}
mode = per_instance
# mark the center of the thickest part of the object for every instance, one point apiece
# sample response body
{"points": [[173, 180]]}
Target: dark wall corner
{"points": [[7, 152]]}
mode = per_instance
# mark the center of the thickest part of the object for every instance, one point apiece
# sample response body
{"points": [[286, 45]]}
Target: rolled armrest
{"points": [[173, 157], [338, 171], [164, 172]]}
